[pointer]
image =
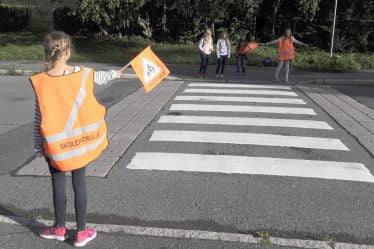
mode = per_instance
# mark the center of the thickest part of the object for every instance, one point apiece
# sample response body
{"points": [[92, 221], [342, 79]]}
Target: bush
{"points": [[67, 20], [14, 18]]}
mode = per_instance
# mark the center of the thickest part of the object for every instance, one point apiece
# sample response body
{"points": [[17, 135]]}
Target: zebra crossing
{"points": [[214, 105]]}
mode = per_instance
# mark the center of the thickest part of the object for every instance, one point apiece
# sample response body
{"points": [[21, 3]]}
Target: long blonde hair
{"points": [[207, 37], [56, 44]]}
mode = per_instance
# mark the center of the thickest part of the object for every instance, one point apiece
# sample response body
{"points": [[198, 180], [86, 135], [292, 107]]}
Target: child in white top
{"points": [[223, 53]]}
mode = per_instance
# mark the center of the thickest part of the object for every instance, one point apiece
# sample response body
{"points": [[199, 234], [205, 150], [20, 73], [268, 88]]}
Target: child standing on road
{"points": [[70, 130], [205, 47], [286, 52], [223, 53], [241, 53]]}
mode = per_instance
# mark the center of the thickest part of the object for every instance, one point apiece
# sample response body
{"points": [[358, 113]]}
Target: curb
{"points": [[127, 76], [337, 82], [26, 72], [190, 234]]}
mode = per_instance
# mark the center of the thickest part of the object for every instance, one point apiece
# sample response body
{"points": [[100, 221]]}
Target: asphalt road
{"points": [[286, 206]]}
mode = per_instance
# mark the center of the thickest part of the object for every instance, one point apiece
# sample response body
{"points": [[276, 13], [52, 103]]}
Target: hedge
{"points": [[14, 18]]}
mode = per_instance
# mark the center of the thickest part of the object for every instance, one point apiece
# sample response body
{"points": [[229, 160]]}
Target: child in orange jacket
{"points": [[70, 130]]}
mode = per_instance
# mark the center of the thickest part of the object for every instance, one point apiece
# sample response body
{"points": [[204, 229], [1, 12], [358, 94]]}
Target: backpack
{"points": [[267, 62], [197, 46]]}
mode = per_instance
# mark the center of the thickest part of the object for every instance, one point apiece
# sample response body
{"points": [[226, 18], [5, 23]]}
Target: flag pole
{"points": [[333, 29], [127, 65]]}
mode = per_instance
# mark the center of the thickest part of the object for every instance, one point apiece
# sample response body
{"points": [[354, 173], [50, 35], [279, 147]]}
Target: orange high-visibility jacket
{"points": [[240, 48], [73, 125], [286, 49]]}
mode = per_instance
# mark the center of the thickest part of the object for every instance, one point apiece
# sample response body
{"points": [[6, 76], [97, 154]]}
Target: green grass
{"points": [[27, 46]]}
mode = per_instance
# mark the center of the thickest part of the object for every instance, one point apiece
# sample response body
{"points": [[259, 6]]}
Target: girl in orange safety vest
{"points": [[70, 130], [286, 52]]}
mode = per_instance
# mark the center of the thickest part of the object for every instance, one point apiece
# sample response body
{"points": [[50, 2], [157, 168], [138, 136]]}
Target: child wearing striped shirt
{"points": [[57, 46]]}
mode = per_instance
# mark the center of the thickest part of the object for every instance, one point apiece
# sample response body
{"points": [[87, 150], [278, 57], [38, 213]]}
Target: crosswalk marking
{"points": [[251, 165], [242, 108], [248, 138], [239, 86], [241, 91], [241, 99], [230, 99], [237, 121]]}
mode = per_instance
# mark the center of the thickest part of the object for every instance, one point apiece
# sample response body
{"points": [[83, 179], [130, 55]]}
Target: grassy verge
{"points": [[27, 46]]}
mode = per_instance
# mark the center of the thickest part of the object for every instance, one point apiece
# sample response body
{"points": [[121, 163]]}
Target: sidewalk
{"points": [[190, 71]]}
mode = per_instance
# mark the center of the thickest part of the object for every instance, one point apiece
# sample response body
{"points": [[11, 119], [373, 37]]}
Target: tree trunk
{"points": [[277, 3], [164, 18]]}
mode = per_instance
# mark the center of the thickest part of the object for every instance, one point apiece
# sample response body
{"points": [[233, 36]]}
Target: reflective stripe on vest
{"points": [[78, 152], [69, 132], [76, 134], [286, 50]]}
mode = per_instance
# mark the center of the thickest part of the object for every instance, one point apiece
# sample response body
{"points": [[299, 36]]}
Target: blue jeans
{"points": [[241, 61], [204, 63], [221, 63]]}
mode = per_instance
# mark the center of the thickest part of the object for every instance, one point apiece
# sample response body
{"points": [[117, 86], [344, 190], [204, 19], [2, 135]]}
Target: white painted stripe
{"points": [[241, 108], [183, 234], [241, 91], [292, 101], [240, 86], [272, 122], [251, 165], [248, 138]]}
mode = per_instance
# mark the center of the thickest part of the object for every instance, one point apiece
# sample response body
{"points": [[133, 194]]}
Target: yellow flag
{"points": [[149, 68]]}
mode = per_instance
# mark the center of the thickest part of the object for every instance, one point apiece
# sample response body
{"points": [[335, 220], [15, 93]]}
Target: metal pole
{"points": [[333, 29]]}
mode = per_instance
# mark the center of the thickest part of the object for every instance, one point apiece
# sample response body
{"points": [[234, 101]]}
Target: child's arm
{"points": [[273, 42], [38, 140], [103, 77], [217, 48], [229, 50]]}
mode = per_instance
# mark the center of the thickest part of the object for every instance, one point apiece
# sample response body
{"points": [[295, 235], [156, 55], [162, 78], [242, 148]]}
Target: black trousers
{"points": [[221, 64], [60, 199]]}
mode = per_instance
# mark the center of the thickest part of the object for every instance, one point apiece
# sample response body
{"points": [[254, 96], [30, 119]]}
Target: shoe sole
{"points": [[83, 243], [59, 238]]}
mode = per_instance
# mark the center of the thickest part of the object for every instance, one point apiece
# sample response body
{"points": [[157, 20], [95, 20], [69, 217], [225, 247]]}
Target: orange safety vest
{"points": [[73, 125], [241, 47], [286, 49]]}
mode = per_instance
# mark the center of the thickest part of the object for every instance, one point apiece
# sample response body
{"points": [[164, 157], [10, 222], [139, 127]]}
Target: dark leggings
{"points": [[59, 196], [221, 63]]}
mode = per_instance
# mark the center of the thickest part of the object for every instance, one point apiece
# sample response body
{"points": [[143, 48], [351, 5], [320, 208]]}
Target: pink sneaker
{"points": [[84, 237], [57, 233]]}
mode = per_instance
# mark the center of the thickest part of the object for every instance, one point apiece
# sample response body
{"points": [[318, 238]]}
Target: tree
{"points": [[115, 16], [244, 15]]}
